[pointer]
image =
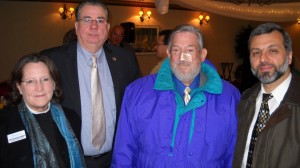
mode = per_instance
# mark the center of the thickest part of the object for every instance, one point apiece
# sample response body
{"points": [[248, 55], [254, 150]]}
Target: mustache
{"points": [[184, 63], [265, 64]]}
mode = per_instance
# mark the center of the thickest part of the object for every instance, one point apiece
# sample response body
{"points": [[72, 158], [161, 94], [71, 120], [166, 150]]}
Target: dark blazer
{"points": [[277, 146], [123, 68], [19, 154]]}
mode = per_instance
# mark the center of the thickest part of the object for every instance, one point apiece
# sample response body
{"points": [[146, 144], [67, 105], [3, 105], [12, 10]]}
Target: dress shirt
{"points": [[278, 94], [180, 87], [84, 63]]}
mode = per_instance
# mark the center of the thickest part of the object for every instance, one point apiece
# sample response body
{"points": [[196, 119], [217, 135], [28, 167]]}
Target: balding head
{"points": [[116, 35]]}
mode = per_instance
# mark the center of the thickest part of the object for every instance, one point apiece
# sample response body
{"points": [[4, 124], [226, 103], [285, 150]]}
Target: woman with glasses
{"points": [[35, 131]]}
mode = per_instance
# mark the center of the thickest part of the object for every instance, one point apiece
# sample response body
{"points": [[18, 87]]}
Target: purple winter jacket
{"points": [[156, 129]]}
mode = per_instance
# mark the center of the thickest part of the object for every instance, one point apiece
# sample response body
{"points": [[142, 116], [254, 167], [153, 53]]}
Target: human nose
{"points": [[94, 23], [263, 56], [184, 56], [181, 54]]}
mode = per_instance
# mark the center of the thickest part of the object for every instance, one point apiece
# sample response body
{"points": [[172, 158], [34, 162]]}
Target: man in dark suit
{"points": [[116, 67], [116, 37]]}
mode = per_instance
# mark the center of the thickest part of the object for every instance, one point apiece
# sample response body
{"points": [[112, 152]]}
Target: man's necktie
{"points": [[98, 115], [187, 96], [261, 121]]}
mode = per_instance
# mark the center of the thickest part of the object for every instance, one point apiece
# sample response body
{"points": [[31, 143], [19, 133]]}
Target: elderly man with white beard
{"points": [[183, 116]]}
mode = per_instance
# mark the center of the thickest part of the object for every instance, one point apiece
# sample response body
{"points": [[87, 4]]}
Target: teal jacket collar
{"points": [[210, 82]]}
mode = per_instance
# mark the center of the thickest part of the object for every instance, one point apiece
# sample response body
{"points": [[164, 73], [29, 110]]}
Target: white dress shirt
{"points": [[278, 94]]}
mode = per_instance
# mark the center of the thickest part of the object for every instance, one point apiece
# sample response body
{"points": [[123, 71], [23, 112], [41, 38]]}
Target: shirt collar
{"points": [[279, 92], [36, 112], [87, 56], [180, 86], [210, 79]]}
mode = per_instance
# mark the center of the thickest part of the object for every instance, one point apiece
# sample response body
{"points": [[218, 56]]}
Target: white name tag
{"points": [[17, 136]]}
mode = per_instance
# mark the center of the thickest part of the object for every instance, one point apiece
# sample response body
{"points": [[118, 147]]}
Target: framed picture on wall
{"points": [[145, 39]]}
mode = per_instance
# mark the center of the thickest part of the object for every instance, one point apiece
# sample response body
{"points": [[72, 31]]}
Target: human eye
{"points": [[87, 20], [190, 50], [100, 21], [175, 50], [45, 80], [273, 51], [29, 82], [255, 53]]}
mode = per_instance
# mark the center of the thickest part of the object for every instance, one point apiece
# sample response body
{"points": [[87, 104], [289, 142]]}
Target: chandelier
{"points": [[66, 13], [203, 19], [143, 16], [259, 2]]}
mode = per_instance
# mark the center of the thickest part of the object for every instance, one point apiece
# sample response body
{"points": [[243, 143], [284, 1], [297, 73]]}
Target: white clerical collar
{"points": [[37, 112]]}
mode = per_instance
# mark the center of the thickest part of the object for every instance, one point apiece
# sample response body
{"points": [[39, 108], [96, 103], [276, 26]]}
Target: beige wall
{"points": [[28, 27]]}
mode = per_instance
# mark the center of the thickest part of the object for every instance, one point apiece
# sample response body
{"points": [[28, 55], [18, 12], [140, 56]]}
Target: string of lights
{"points": [[259, 2]]}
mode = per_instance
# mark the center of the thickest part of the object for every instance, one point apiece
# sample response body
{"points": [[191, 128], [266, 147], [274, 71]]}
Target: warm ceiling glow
{"points": [[203, 19], [66, 13], [144, 17]]}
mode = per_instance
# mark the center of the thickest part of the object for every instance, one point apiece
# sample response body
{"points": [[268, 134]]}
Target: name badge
{"points": [[17, 136]]}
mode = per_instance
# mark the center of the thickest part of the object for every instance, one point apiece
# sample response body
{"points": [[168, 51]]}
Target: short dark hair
{"points": [[267, 28], [166, 33], [17, 75], [93, 3]]}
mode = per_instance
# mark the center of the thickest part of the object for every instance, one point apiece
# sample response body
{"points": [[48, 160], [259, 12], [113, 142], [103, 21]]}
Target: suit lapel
{"points": [[72, 76], [284, 111], [112, 61]]}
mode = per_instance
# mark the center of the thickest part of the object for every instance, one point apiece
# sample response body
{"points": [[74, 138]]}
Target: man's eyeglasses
{"points": [[33, 82], [189, 51], [89, 21]]}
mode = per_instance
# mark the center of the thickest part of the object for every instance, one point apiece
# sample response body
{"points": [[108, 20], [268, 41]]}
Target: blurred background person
{"points": [[161, 48], [35, 131], [70, 36], [116, 37]]}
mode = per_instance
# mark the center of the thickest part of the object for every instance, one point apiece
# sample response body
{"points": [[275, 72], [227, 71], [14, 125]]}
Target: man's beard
{"points": [[267, 77], [185, 77]]}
